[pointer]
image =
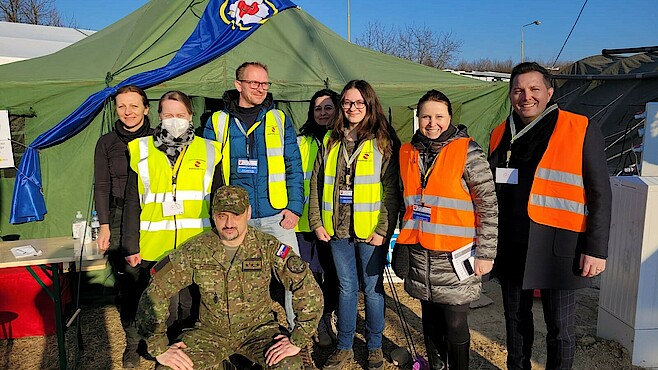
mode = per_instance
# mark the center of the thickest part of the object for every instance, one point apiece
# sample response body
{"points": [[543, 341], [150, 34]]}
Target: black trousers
{"points": [[329, 283], [445, 322], [559, 308], [131, 282]]}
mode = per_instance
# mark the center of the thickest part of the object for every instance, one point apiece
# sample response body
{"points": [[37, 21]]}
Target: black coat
{"points": [[544, 257]]}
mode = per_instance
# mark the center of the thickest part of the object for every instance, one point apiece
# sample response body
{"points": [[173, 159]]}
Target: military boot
{"points": [[338, 359], [326, 335], [307, 360], [130, 358], [375, 359]]}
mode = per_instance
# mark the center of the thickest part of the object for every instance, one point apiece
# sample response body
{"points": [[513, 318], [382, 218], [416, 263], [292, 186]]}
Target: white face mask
{"points": [[175, 126]]}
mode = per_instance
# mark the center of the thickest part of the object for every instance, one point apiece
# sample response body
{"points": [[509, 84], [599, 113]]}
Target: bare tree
{"points": [[379, 38], [485, 64], [10, 10], [420, 44], [41, 12]]}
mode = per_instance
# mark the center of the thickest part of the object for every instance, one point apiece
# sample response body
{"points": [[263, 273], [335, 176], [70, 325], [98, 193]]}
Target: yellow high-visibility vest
{"points": [[274, 140], [308, 148], [368, 191], [159, 234]]}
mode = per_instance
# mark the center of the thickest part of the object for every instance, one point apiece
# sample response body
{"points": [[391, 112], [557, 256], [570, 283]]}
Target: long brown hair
{"points": [[374, 123]]}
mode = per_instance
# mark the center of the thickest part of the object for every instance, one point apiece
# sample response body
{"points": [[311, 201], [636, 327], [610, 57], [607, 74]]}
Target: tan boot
{"points": [[338, 359]]}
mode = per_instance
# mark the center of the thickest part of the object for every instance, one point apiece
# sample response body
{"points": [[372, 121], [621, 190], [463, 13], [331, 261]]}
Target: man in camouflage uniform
{"points": [[232, 264]]}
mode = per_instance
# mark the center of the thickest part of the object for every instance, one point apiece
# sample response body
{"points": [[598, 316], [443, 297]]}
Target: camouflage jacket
{"points": [[235, 296]]}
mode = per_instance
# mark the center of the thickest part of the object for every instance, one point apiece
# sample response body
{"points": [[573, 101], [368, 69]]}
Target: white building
{"points": [[19, 41], [482, 76]]}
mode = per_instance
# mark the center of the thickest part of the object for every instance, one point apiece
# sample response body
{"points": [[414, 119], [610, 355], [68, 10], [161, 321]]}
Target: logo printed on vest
{"points": [[366, 156], [197, 164]]}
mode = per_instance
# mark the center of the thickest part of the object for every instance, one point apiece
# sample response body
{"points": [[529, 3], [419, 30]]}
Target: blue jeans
{"points": [[359, 261], [272, 225]]}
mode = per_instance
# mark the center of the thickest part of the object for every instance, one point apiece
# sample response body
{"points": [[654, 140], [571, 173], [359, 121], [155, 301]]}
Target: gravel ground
{"points": [[103, 338]]}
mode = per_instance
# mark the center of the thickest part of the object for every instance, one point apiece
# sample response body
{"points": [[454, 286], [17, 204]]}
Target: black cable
{"points": [[569, 35], [403, 321]]}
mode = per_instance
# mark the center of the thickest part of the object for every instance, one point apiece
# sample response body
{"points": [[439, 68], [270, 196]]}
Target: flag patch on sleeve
{"points": [[283, 251]]}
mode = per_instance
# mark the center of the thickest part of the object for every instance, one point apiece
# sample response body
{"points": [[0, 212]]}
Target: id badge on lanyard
{"points": [[246, 165], [345, 196], [421, 213], [174, 207], [507, 175]]}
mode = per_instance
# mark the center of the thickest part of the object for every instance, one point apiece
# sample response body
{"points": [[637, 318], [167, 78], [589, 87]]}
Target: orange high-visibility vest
{"points": [[557, 197], [452, 220]]}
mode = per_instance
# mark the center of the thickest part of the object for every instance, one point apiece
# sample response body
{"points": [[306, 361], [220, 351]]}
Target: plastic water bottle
{"points": [[95, 225], [78, 225]]}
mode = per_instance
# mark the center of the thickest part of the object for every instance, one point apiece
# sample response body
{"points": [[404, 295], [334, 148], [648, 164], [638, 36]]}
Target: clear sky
{"points": [[489, 29]]}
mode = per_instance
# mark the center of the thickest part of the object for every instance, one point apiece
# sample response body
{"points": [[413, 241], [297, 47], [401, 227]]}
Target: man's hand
{"points": [[103, 240], [289, 220], [134, 259], [375, 239], [175, 358], [322, 234], [591, 266], [482, 267], [280, 350]]}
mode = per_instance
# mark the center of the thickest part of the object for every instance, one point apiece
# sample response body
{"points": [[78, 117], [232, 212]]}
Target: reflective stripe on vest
{"points": [[452, 221], [308, 148], [367, 192], [160, 234], [557, 197], [274, 145]]}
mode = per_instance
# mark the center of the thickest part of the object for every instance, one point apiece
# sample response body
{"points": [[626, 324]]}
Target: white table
{"points": [[56, 252]]}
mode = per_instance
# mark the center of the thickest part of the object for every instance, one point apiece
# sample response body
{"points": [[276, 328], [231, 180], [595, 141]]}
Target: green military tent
{"points": [[302, 55]]}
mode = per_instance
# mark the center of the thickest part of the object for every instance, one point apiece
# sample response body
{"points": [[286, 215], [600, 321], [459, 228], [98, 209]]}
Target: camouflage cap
{"points": [[230, 198]]}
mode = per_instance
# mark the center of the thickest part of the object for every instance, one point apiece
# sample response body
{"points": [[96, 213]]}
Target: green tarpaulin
{"points": [[302, 55]]}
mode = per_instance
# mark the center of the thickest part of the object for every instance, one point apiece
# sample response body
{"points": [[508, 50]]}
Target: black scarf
{"points": [[126, 136], [530, 148], [172, 146], [430, 148]]}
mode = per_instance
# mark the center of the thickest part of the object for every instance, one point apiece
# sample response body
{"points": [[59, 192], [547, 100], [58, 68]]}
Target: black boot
{"points": [[130, 359], [458, 355], [433, 354]]}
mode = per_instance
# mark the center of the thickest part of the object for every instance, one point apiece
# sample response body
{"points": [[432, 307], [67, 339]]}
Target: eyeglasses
{"points": [[256, 84], [347, 105]]}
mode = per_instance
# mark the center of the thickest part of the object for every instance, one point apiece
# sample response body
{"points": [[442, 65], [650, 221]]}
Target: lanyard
{"points": [[246, 133], [516, 135], [349, 160], [179, 162], [425, 174]]}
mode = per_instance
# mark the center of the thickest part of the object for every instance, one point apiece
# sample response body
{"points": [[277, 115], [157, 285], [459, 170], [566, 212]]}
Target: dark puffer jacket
{"points": [[431, 276]]}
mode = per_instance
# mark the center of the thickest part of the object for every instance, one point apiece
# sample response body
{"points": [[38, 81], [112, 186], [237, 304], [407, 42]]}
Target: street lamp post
{"points": [[537, 23], [349, 39]]}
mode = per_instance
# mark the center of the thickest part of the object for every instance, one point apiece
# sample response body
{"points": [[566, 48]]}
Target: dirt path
{"points": [[103, 339]]}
